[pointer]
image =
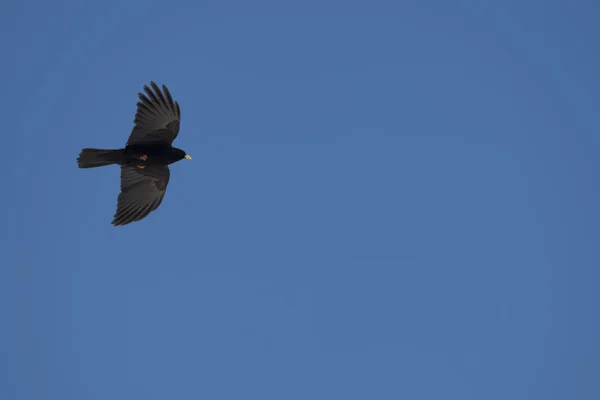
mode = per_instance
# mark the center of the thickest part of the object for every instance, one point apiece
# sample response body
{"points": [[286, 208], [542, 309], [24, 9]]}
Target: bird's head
{"points": [[181, 154]]}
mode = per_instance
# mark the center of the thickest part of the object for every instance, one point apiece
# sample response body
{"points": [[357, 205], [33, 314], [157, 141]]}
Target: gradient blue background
{"points": [[393, 201]]}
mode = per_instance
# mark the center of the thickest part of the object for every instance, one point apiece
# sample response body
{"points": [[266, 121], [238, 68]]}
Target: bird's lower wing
{"points": [[142, 191]]}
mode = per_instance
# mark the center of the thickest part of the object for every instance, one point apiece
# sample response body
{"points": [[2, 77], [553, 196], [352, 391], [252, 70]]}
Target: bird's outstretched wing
{"points": [[142, 191], [157, 117]]}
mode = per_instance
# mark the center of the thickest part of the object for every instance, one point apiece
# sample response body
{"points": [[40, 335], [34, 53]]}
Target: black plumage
{"points": [[146, 157]]}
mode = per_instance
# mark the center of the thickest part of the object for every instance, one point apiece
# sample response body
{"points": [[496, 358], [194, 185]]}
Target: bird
{"points": [[146, 157]]}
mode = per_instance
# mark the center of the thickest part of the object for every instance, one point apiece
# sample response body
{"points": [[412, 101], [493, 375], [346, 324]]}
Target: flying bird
{"points": [[146, 157]]}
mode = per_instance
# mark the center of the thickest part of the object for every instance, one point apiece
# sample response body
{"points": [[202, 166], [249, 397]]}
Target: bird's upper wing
{"points": [[157, 117], [142, 191]]}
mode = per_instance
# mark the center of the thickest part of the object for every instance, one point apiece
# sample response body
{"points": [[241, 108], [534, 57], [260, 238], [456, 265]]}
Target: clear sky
{"points": [[392, 201]]}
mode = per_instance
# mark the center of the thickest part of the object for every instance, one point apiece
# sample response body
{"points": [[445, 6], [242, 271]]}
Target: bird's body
{"points": [[156, 154], [134, 155], [145, 159]]}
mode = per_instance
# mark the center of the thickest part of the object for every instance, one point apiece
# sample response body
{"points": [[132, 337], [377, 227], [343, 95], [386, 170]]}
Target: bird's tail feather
{"points": [[91, 158]]}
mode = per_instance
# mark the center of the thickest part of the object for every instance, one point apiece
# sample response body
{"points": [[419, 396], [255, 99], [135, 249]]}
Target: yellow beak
{"points": [[188, 157]]}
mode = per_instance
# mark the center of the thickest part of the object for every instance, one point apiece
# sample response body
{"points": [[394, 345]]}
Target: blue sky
{"points": [[392, 201]]}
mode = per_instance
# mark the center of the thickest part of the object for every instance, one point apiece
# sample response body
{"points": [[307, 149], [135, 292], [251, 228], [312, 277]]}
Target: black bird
{"points": [[146, 157]]}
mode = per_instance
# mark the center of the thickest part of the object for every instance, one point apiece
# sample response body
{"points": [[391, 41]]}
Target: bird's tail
{"points": [[91, 158]]}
